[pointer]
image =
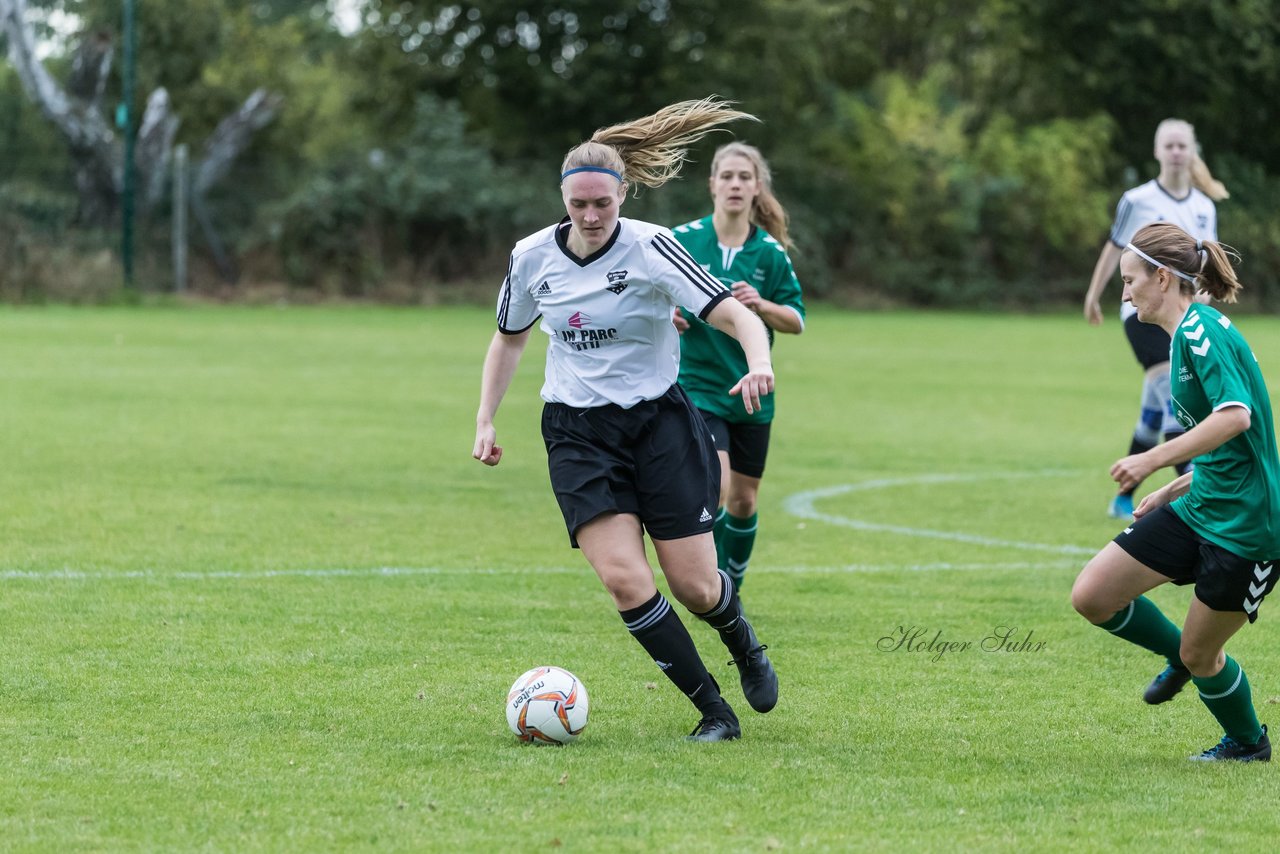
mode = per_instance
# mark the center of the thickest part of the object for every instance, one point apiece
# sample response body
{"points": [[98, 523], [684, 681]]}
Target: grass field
{"points": [[255, 595]]}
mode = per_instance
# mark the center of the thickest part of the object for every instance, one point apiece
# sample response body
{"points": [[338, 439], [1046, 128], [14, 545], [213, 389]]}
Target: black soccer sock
{"points": [[727, 619], [1137, 446], [658, 629], [1180, 468]]}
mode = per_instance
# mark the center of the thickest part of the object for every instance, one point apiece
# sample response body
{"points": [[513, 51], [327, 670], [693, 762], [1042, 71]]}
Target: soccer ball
{"points": [[547, 705]]}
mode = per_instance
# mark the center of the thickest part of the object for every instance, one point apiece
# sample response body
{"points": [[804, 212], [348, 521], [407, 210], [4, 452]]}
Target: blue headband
{"points": [[591, 169]]}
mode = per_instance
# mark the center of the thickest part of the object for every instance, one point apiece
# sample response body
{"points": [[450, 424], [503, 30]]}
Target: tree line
{"points": [[957, 153]]}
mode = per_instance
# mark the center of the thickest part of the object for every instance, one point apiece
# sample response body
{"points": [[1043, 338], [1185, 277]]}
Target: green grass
{"points": [[255, 595]]}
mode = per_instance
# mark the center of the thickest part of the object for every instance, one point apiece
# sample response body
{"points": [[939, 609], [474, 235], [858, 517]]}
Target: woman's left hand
{"points": [[754, 385]]}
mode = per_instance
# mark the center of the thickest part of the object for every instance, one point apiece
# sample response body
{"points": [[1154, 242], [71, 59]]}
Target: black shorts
{"points": [[1150, 343], [746, 444], [1224, 581], [654, 460]]}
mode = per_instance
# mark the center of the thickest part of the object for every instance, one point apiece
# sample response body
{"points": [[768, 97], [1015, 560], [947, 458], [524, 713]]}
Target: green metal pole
{"points": [[125, 119]]}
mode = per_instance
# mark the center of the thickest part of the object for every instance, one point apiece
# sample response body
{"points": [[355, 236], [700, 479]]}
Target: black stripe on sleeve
{"points": [[1123, 210], [683, 261], [504, 304], [715, 301]]}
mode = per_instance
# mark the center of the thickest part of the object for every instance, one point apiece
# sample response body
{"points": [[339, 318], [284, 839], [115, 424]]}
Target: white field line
{"points": [[802, 504], [107, 576]]}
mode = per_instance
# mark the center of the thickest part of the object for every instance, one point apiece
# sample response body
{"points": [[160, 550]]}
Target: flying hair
{"points": [[650, 151]]}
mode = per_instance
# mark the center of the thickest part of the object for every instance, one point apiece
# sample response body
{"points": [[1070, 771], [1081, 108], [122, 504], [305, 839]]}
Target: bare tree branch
{"points": [[154, 147], [96, 148], [84, 129], [90, 66], [232, 136]]}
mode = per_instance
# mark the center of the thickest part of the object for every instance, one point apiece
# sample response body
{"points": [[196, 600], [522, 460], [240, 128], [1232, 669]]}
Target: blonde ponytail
{"points": [[651, 150]]}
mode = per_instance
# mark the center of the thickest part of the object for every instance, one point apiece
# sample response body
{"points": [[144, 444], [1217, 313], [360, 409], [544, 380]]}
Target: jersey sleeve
{"points": [[517, 309], [784, 287], [681, 278], [1128, 221], [1207, 351]]}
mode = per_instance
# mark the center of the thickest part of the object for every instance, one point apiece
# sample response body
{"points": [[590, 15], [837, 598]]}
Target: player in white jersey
{"points": [[1182, 194], [627, 452]]}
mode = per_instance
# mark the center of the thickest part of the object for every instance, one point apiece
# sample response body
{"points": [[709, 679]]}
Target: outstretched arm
{"points": [[499, 367]]}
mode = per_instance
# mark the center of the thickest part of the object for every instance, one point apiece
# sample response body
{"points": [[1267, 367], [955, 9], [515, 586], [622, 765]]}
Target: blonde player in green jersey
{"points": [[743, 243], [1217, 526]]}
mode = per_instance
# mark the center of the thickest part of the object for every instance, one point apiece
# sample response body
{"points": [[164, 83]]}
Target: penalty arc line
{"points": [[802, 504]]}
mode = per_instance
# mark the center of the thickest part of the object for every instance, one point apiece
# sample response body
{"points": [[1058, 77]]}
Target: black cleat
{"points": [[1230, 749], [759, 679], [715, 728], [1165, 686]]}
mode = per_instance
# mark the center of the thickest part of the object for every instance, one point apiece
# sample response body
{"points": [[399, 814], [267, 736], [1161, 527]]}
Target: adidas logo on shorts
{"points": [[705, 517]]}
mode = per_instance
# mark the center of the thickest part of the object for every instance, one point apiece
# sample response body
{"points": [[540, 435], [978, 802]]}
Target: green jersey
{"points": [[1234, 500], [712, 362]]}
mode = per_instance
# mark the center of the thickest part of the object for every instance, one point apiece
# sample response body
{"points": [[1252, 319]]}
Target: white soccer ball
{"points": [[547, 705]]}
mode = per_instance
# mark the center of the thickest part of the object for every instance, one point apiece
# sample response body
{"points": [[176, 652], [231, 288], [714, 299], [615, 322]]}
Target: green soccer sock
{"points": [[1230, 701], [717, 533], [1142, 623], [738, 539]]}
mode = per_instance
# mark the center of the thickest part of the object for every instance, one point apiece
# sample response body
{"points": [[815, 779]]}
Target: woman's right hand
{"points": [[677, 319], [486, 449], [1092, 310]]}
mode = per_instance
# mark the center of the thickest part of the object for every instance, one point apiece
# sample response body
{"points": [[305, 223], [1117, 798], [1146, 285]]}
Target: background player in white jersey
{"points": [[1183, 194], [744, 244], [627, 451], [1218, 526]]}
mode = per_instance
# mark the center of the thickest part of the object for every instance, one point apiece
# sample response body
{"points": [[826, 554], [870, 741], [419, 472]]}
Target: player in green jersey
{"points": [[743, 243], [1217, 526]]}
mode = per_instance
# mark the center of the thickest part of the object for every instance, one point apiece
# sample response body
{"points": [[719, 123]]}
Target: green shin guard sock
{"points": [[717, 533], [1142, 623], [738, 539], [1229, 699]]}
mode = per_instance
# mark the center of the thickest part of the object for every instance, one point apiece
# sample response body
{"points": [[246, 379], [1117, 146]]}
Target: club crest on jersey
{"points": [[1183, 416], [579, 320], [617, 281]]}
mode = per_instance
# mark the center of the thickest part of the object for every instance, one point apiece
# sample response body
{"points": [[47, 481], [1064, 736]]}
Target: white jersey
{"points": [[608, 315], [1195, 214]]}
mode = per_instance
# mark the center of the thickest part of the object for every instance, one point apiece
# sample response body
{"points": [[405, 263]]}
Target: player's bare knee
{"points": [[698, 594], [1090, 601], [1201, 662]]}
